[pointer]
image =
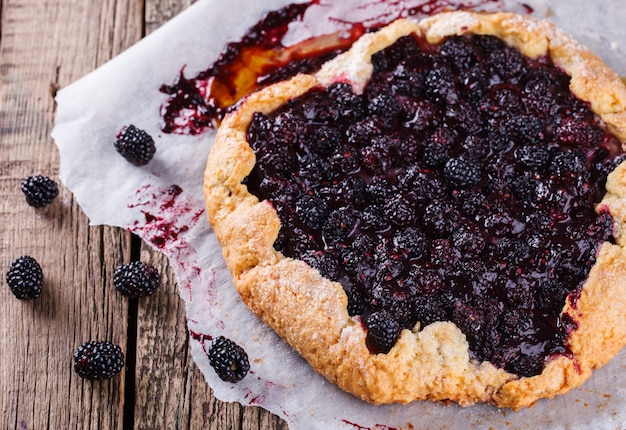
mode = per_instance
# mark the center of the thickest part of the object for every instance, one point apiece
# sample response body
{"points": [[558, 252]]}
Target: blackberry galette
{"points": [[437, 213]]}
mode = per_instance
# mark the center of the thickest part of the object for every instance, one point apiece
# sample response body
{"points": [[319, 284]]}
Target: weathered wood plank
{"points": [[45, 45]]}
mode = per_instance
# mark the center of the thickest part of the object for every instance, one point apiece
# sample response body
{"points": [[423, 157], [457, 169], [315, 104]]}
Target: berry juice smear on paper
{"points": [[298, 38]]}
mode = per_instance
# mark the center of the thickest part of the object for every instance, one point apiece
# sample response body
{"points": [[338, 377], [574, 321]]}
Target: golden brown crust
{"points": [[309, 311]]}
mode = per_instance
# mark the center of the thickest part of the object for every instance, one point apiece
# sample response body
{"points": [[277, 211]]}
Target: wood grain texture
{"points": [[44, 46], [38, 386]]}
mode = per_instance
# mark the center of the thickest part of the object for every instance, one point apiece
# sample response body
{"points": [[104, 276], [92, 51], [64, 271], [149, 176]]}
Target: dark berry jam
{"points": [[460, 186], [298, 38]]}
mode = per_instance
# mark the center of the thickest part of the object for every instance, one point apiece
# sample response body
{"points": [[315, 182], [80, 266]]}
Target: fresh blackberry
{"points": [[356, 306], [469, 239], [136, 279], [435, 155], [412, 242], [379, 156], [98, 360], [460, 51], [382, 331], [25, 278], [380, 189], [346, 160], [443, 137], [301, 240], [401, 209], [362, 132], [441, 218], [407, 81], [408, 150], [569, 163], [578, 134], [312, 210], [39, 190], [385, 107], [389, 57], [463, 117], [476, 147], [462, 172], [525, 187], [135, 145], [325, 262], [372, 218], [428, 281], [533, 157], [523, 129], [324, 140], [506, 63], [228, 359], [349, 105], [313, 169], [505, 103], [339, 224], [475, 82], [420, 114], [441, 85]]}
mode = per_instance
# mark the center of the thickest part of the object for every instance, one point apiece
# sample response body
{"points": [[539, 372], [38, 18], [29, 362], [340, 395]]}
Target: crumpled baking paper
{"points": [[163, 203]]}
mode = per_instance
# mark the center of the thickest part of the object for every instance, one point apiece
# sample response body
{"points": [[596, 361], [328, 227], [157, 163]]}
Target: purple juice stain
{"points": [[297, 38]]}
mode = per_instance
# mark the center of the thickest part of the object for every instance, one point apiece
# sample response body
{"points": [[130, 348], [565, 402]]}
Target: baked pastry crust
{"points": [[310, 311]]}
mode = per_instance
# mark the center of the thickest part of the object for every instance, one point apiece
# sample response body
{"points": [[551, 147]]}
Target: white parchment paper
{"points": [[162, 202]]}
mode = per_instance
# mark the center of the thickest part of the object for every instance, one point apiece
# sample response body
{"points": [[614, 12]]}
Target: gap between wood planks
{"points": [[128, 421]]}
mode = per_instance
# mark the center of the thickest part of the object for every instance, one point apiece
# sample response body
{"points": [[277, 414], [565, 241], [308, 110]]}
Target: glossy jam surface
{"points": [[296, 38], [460, 186]]}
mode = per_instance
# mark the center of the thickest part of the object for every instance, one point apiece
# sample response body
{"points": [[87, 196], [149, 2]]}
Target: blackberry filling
{"points": [[460, 186]]}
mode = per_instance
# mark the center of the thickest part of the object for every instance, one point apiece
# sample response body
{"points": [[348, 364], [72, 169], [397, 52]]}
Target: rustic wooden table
{"points": [[44, 46]]}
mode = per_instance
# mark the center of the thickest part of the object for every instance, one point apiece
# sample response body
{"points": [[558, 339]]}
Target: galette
{"points": [[437, 213]]}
